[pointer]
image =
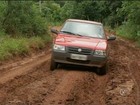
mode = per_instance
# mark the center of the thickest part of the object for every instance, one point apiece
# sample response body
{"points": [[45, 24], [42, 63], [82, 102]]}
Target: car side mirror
{"points": [[54, 31], [112, 37]]}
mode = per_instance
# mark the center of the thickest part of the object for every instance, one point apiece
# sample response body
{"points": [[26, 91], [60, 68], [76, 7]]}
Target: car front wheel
{"points": [[53, 64], [103, 70]]}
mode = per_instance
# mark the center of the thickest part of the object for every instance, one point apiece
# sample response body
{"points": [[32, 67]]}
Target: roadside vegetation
{"points": [[25, 24], [22, 28], [120, 16], [10, 47]]}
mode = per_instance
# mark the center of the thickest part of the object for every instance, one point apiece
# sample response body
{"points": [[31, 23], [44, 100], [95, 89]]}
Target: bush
{"points": [[10, 47], [23, 17], [131, 27]]}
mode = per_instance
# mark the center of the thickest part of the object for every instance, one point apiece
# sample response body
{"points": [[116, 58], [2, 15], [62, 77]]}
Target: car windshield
{"points": [[83, 29]]}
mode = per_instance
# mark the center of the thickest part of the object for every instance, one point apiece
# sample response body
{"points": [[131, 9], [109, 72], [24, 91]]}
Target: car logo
{"points": [[79, 50]]}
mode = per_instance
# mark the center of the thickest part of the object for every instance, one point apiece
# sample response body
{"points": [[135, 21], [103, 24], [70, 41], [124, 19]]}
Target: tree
{"points": [[130, 11], [23, 17]]}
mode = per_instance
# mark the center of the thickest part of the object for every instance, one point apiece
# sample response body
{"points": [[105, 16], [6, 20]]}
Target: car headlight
{"points": [[59, 47], [100, 52]]}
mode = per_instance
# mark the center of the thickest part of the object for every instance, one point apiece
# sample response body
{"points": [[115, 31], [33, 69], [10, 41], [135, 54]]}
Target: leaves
{"points": [[22, 17], [32, 17]]}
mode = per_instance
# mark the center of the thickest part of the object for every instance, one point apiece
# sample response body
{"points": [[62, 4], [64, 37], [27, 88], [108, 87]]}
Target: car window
{"points": [[84, 29]]}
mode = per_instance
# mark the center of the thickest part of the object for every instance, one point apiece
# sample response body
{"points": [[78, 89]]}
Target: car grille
{"points": [[77, 50]]}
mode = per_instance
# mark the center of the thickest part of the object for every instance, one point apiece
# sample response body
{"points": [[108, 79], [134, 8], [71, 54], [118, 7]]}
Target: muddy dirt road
{"points": [[30, 82]]}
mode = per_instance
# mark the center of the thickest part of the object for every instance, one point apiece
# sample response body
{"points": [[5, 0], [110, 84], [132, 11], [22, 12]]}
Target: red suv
{"points": [[81, 42]]}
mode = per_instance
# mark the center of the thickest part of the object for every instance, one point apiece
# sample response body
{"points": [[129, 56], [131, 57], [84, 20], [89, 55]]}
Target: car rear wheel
{"points": [[103, 70], [53, 64]]}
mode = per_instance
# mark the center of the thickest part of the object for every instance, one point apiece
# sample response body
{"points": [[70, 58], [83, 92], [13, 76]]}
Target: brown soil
{"points": [[30, 82]]}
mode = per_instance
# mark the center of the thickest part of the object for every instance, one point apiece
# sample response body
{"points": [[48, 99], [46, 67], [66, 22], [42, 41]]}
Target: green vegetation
{"points": [[122, 16], [24, 18], [10, 47], [24, 24], [130, 28], [22, 28]]}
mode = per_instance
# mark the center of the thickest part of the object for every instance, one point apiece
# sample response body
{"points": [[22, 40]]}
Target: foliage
{"points": [[123, 15], [2, 10], [103, 11], [131, 25], [22, 17], [67, 10], [32, 18], [9, 47], [51, 11]]}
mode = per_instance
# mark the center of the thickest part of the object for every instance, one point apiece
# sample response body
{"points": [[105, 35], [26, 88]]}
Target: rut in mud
{"points": [[32, 83]]}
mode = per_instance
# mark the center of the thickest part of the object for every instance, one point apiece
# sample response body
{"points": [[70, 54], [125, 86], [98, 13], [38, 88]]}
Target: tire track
{"points": [[90, 91], [22, 70], [138, 88], [32, 83], [62, 92], [133, 60], [122, 87], [37, 90]]}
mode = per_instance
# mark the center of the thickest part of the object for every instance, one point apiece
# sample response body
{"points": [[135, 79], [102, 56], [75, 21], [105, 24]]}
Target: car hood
{"points": [[81, 41]]}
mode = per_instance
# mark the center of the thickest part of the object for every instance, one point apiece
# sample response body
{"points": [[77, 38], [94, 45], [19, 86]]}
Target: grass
{"points": [[125, 32], [9, 47]]}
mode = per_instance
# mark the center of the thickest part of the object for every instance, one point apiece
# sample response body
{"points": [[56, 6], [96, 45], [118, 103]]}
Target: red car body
{"points": [[86, 42], [81, 42]]}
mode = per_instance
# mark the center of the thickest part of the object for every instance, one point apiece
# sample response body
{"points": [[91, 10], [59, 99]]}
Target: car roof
{"points": [[84, 21]]}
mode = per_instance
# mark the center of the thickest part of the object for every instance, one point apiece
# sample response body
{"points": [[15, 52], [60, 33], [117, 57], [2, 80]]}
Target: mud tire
{"points": [[53, 64], [103, 70]]}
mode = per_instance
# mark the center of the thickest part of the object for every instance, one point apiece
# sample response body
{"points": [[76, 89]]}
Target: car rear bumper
{"points": [[92, 61]]}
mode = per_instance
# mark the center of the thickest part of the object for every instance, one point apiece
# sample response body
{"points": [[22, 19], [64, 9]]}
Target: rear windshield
{"points": [[84, 29]]}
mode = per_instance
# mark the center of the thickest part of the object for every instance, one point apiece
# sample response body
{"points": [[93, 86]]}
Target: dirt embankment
{"points": [[30, 82]]}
